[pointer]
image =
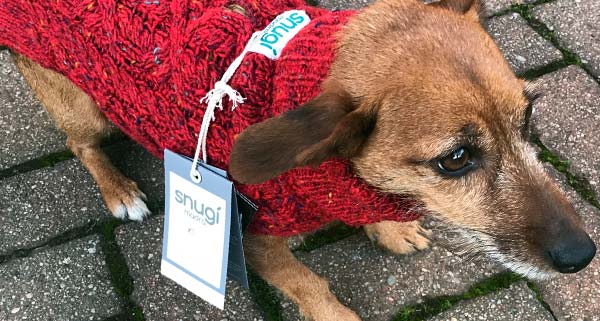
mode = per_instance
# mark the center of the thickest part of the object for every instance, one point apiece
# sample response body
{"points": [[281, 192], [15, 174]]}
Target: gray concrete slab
{"points": [[376, 284], [576, 297], [566, 118], [42, 204], [163, 299], [344, 4], [39, 205], [495, 6], [522, 46], [26, 131], [517, 302], [576, 25], [67, 282]]}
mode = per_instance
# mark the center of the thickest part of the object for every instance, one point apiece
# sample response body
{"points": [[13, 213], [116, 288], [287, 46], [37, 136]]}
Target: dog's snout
{"points": [[571, 251]]}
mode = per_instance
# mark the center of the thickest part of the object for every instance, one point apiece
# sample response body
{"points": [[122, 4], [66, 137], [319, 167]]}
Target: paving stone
{"points": [[26, 131], [576, 25], [522, 46], [344, 4], [576, 297], [496, 6], [39, 205], [517, 302], [566, 118], [67, 282], [163, 299], [376, 284]]}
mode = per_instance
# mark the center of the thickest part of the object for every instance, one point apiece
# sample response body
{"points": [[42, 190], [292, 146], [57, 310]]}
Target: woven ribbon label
{"points": [[279, 32]]}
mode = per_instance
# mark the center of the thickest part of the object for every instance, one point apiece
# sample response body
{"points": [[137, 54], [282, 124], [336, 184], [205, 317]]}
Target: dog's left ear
{"points": [[472, 9], [329, 126]]}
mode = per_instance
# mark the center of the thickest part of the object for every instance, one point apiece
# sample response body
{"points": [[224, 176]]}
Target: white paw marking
{"points": [[138, 210], [143, 196], [121, 212]]}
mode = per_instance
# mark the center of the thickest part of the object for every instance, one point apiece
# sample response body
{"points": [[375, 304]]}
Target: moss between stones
{"points": [[579, 184], [52, 159], [115, 261], [539, 297], [119, 271], [38, 163], [67, 236], [549, 68], [569, 57], [434, 306]]}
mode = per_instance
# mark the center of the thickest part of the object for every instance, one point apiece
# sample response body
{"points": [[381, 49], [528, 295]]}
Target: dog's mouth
{"points": [[471, 243]]}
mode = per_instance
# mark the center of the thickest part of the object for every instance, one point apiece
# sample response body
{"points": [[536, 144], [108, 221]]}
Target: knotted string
{"points": [[214, 99]]}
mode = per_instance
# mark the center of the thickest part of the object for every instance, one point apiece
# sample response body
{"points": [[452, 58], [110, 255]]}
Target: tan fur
{"points": [[399, 238], [452, 75], [77, 115], [271, 257], [410, 83]]}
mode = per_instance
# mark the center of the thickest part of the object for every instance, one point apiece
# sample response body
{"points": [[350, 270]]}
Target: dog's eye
{"points": [[457, 163], [525, 126]]}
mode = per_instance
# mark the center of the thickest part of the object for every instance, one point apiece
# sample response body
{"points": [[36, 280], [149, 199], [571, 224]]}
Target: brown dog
{"points": [[450, 123]]}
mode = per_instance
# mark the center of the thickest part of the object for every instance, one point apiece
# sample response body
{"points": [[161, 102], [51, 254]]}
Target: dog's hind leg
{"points": [[399, 237], [77, 115], [272, 259]]}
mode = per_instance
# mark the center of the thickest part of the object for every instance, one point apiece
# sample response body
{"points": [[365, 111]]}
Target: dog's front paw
{"points": [[125, 200], [399, 237], [330, 310]]}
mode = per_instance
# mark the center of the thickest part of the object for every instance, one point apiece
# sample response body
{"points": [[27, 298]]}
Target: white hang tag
{"points": [[200, 200], [197, 229], [279, 32]]}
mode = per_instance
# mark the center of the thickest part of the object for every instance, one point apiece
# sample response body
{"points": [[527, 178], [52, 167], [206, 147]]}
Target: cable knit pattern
{"points": [[147, 63]]}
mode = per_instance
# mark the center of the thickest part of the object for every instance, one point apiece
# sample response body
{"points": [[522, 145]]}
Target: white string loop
{"points": [[214, 99]]}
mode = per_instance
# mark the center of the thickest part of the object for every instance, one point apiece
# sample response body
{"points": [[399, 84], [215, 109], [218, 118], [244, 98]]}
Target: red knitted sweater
{"points": [[147, 63]]}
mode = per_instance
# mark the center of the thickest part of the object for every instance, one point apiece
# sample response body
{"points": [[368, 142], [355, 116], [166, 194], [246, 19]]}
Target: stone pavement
{"points": [[63, 258]]}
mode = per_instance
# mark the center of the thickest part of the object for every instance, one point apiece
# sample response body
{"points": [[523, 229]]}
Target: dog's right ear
{"points": [[472, 9], [329, 126]]}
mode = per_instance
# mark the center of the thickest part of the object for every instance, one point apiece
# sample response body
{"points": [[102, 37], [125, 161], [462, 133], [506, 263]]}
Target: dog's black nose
{"points": [[572, 252]]}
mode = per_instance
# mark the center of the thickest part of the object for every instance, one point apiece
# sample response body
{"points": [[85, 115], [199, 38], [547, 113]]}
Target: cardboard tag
{"points": [[203, 230], [246, 208], [279, 32], [237, 263]]}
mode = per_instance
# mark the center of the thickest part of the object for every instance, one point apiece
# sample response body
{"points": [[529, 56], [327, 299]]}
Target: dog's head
{"points": [[423, 103]]}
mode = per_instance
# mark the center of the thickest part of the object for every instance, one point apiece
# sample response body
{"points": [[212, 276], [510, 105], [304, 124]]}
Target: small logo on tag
{"points": [[279, 32], [197, 210]]}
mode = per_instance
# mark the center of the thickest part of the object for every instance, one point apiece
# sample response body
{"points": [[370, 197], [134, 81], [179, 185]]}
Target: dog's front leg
{"points": [[78, 116], [272, 259]]}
